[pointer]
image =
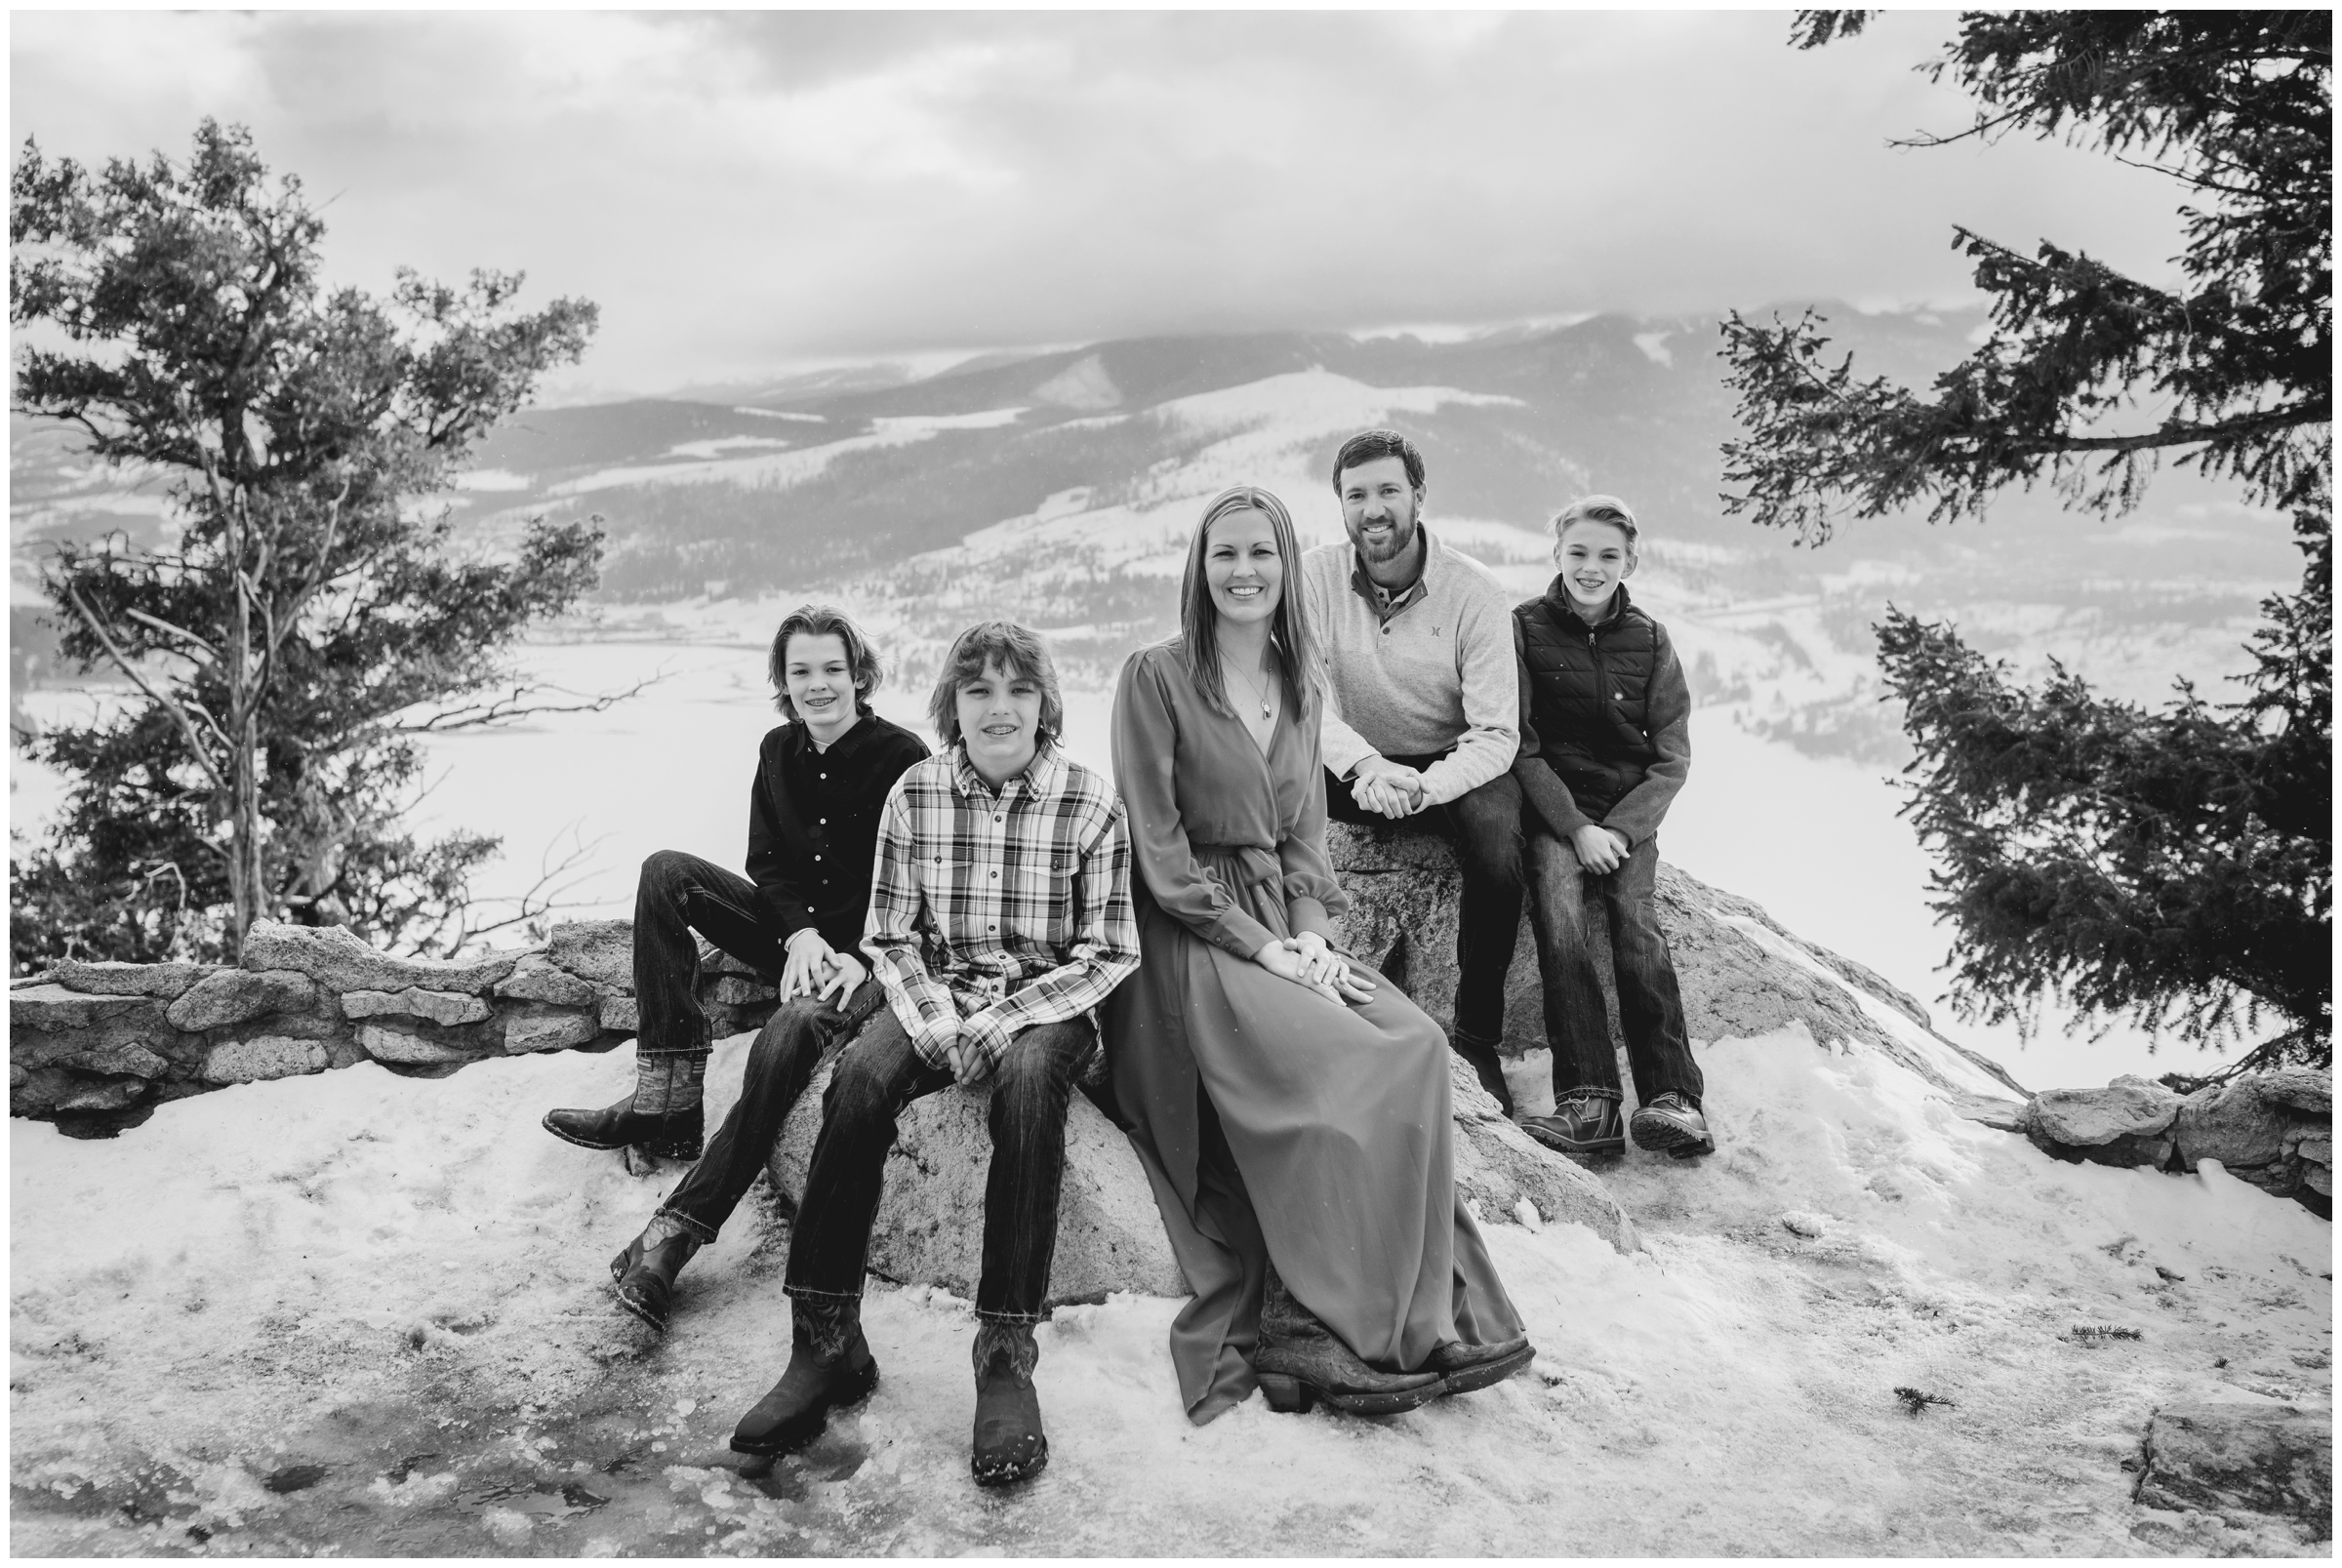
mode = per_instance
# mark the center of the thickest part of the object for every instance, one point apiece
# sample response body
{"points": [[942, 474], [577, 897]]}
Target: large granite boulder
{"points": [[2273, 1129], [2128, 1122], [930, 1224]]}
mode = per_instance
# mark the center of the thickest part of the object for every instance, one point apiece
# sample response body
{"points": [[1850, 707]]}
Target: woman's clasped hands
{"points": [[1307, 960]]}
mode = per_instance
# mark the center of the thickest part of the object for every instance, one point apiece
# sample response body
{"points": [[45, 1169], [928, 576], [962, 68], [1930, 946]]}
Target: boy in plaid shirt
{"points": [[1000, 918]]}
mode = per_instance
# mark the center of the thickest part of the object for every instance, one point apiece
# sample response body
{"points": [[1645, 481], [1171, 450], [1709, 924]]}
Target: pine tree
{"points": [[2175, 864], [306, 617]]}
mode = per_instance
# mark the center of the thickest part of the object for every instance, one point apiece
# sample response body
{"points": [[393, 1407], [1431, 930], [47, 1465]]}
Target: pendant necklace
{"points": [[1260, 693]]}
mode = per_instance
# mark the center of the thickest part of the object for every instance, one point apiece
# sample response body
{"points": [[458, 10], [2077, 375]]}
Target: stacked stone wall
{"points": [[96, 1046]]}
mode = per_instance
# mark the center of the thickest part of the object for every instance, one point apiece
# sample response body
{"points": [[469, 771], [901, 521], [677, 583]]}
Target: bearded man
{"points": [[1423, 709]]}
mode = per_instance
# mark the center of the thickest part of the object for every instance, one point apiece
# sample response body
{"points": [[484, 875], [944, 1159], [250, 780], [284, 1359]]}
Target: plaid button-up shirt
{"points": [[1001, 910]]}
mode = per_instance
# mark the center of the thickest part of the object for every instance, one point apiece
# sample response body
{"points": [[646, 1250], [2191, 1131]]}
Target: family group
{"points": [[997, 913]]}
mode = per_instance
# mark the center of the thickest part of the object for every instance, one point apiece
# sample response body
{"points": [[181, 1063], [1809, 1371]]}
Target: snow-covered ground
{"points": [[366, 1314]]}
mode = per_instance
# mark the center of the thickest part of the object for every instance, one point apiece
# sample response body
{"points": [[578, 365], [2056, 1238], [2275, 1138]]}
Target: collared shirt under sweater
{"points": [[1001, 909], [1419, 671]]}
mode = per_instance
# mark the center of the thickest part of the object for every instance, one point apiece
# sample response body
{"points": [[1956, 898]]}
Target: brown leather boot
{"points": [[1300, 1361], [830, 1367], [1009, 1444], [664, 1114]]}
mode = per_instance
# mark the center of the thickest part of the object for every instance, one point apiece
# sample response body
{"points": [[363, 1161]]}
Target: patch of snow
{"points": [[780, 414], [785, 467], [912, 424], [716, 446], [1317, 400], [1654, 347]]}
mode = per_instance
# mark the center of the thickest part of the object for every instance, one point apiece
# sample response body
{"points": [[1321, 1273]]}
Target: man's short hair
{"points": [[824, 620], [1371, 446], [1600, 509], [1018, 651]]}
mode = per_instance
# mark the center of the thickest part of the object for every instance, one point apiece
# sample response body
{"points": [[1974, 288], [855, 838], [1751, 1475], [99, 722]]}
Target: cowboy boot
{"points": [[646, 1271], [1300, 1361], [1009, 1443], [664, 1113], [830, 1367], [1462, 1368]]}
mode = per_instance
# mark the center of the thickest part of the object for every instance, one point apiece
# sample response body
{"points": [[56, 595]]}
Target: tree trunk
{"points": [[246, 886]]}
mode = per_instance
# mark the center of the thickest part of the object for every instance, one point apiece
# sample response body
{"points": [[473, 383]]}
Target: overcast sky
{"points": [[750, 193]]}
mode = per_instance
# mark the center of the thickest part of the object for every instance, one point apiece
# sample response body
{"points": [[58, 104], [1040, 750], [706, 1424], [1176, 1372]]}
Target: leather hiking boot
{"points": [[1300, 1361], [1582, 1125], [646, 1272], [829, 1368], [1674, 1124], [1009, 1443], [675, 1135], [1462, 1368]]}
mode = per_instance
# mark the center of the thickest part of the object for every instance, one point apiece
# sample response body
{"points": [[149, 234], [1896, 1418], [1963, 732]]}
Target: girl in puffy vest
{"points": [[1605, 742]]}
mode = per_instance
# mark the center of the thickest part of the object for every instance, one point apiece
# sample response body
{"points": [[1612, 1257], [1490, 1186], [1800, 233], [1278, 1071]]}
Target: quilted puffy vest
{"points": [[1588, 691]]}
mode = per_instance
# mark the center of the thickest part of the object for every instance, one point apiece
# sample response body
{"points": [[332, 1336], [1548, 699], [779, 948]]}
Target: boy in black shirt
{"points": [[813, 829]]}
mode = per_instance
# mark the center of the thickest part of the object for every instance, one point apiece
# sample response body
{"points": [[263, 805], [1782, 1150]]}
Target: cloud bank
{"points": [[750, 192]]}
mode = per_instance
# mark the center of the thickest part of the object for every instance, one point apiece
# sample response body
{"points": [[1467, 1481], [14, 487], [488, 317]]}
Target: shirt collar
{"points": [[846, 745], [1039, 776], [1389, 604]]}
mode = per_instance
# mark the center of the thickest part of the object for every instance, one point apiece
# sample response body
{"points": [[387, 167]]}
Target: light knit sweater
{"points": [[1439, 673]]}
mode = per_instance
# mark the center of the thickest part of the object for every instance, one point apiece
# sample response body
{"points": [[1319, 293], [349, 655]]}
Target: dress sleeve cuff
{"points": [[1242, 935], [1306, 913]]}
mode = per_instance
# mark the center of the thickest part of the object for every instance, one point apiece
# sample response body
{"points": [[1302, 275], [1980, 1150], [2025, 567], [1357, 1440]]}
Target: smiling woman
{"points": [[1291, 1110]]}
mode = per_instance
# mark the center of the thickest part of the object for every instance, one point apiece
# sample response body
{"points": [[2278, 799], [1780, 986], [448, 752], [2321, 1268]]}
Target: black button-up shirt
{"points": [[812, 823]]}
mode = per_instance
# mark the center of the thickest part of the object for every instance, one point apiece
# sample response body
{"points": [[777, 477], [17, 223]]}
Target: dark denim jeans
{"points": [[782, 1062], [677, 895], [1484, 827], [1650, 1005], [876, 1077]]}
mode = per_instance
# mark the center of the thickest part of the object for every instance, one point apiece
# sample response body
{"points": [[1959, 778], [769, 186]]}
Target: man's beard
{"points": [[1402, 540]]}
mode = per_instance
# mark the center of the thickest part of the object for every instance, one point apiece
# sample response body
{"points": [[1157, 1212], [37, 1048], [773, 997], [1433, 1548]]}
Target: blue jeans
{"points": [[876, 1077], [677, 895], [782, 1062], [1650, 1004]]}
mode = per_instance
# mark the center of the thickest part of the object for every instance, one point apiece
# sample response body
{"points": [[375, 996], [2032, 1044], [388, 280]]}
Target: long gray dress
{"points": [[1274, 1124]]}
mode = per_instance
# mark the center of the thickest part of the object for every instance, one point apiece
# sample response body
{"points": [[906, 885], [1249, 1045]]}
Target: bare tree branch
{"points": [[161, 699]]}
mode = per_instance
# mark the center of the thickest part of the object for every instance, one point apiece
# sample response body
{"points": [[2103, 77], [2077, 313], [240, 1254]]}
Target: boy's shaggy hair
{"points": [[1600, 509], [824, 620], [1016, 650]]}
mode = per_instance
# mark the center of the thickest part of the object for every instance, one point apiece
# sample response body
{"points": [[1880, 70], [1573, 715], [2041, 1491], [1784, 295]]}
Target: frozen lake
{"points": [[1816, 841]]}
